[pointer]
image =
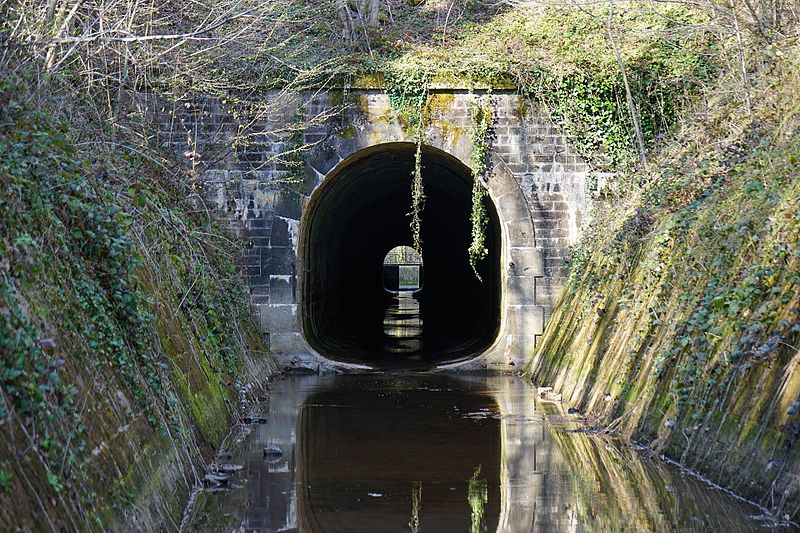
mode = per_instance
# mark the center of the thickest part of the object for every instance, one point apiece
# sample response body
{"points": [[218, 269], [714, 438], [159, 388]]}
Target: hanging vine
{"points": [[417, 188], [408, 96], [481, 120]]}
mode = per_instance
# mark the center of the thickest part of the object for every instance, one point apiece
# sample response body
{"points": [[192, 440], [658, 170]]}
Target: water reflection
{"points": [[432, 453], [367, 446], [402, 324]]}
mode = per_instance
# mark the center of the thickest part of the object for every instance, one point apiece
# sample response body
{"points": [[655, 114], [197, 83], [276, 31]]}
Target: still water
{"points": [[432, 453], [402, 325]]}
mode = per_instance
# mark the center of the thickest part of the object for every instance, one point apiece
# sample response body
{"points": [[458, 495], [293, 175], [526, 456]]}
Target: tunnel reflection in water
{"points": [[437, 454], [358, 214], [364, 473], [402, 325]]}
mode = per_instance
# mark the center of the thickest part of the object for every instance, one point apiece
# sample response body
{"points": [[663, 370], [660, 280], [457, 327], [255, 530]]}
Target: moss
{"points": [[348, 133], [436, 112], [362, 102], [439, 104], [336, 97], [369, 80], [522, 110], [696, 270], [148, 329]]}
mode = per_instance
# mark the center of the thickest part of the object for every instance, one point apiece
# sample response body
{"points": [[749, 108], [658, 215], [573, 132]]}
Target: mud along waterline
{"points": [[420, 452]]}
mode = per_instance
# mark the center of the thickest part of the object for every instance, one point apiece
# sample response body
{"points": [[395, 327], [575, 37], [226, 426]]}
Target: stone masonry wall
{"points": [[258, 170]]}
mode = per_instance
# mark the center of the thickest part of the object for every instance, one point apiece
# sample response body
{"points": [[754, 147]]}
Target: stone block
{"points": [[259, 299], [520, 290], [345, 147], [286, 343], [253, 260], [324, 158], [520, 233], [257, 242], [250, 270], [259, 290], [559, 233], [249, 232], [527, 261], [547, 291], [517, 165], [281, 289], [279, 318], [280, 233], [512, 208], [254, 281], [525, 319], [261, 223], [545, 223], [288, 204], [518, 348], [502, 186], [278, 260]]}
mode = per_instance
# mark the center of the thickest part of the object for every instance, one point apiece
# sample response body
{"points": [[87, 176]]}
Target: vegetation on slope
{"points": [[118, 291], [579, 61], [681, 321], [615, 76], [125, 336]]}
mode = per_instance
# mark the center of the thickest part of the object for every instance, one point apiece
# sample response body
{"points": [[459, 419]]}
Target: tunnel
{"points": [[360, 213]]}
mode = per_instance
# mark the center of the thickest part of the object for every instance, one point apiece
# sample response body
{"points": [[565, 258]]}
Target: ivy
{"points": [[293, 156], [417, 196], [106, 284], [408, 93], [408, 96], [5, 476], [33, 390], [482, 136]]}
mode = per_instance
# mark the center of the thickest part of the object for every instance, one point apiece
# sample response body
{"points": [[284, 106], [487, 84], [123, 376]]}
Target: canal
{"points": [[439, 453]]}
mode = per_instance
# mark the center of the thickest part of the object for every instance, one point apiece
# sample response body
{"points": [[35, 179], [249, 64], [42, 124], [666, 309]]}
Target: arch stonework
{"points": [[538, 187]]}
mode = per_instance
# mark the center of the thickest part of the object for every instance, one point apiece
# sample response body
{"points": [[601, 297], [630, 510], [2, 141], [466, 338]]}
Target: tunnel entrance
{"points": [[354, 219]]}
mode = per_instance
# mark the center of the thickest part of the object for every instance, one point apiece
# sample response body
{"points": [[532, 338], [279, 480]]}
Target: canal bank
{"points": [[680, 323]]}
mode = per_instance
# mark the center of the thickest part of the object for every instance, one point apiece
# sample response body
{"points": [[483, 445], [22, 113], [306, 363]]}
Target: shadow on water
{"points": [[439, 453]]}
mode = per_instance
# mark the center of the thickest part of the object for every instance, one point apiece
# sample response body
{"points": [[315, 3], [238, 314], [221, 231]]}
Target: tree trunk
{"points": [[343, 12], [374, 11]]}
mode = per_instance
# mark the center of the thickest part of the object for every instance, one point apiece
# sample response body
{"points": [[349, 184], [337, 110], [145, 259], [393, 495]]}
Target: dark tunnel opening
{"points": [[354, 219]]}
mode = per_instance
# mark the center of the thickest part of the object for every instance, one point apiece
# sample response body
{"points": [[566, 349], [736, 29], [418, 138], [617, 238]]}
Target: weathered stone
{"points": [[519, 348], [287, 343], [279, 236], [278, 260], [288, 204], [272, 451], [528, 319], [281, 289], [520, 290], [527, 261], [538, 188], [279, 318]]}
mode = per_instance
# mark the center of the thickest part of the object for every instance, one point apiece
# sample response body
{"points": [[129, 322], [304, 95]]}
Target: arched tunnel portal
{"points": [[313, 238], [359, 213]]}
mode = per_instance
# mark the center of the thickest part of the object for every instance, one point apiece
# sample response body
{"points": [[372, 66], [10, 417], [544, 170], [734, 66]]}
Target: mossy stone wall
{"points": [[539, 188]]}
